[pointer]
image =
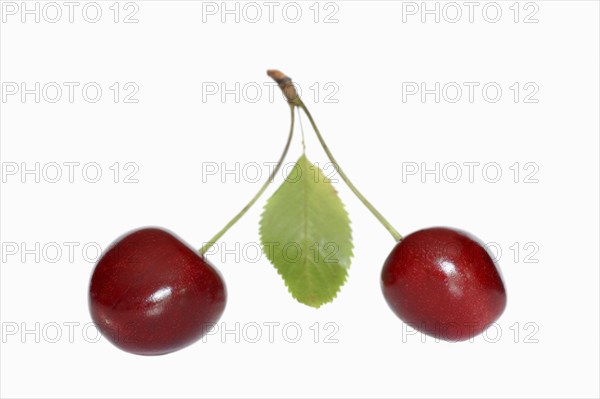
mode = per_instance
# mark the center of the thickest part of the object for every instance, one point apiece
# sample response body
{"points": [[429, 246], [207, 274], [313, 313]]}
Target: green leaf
{"points": [[305, 233]]}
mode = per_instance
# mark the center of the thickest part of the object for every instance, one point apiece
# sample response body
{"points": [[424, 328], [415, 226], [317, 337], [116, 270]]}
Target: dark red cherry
{"points": [[151, 294], [443, 283]]}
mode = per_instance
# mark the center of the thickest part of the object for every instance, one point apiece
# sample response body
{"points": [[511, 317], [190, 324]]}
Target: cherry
{"points": [[443, 283], [439, 280], [151, 294]]}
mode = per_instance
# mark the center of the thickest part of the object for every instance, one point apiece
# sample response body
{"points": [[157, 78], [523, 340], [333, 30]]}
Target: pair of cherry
{"points": [[152, 294]]}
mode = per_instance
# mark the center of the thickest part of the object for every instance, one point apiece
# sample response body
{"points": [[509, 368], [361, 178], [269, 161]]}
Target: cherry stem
{"points": [[397, 236], [237, 217]]}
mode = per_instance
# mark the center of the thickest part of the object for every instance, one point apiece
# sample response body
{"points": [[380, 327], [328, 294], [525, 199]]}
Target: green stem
{"points": [[361, 197], [302, 131], [237, 217]]}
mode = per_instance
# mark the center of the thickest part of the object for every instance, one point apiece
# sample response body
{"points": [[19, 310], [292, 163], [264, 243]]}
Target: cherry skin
{"points": [[443, 282], [151, 294]]}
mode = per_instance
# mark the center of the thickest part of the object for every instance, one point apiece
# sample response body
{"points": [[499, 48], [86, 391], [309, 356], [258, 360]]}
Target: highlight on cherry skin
{"points": [[443, 282], [151, 294]]}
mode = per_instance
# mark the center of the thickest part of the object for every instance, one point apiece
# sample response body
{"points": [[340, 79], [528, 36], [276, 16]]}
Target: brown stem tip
{"points": [[286, 85]]}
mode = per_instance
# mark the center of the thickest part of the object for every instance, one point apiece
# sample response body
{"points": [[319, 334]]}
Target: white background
{"points": [[171, 133]]}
